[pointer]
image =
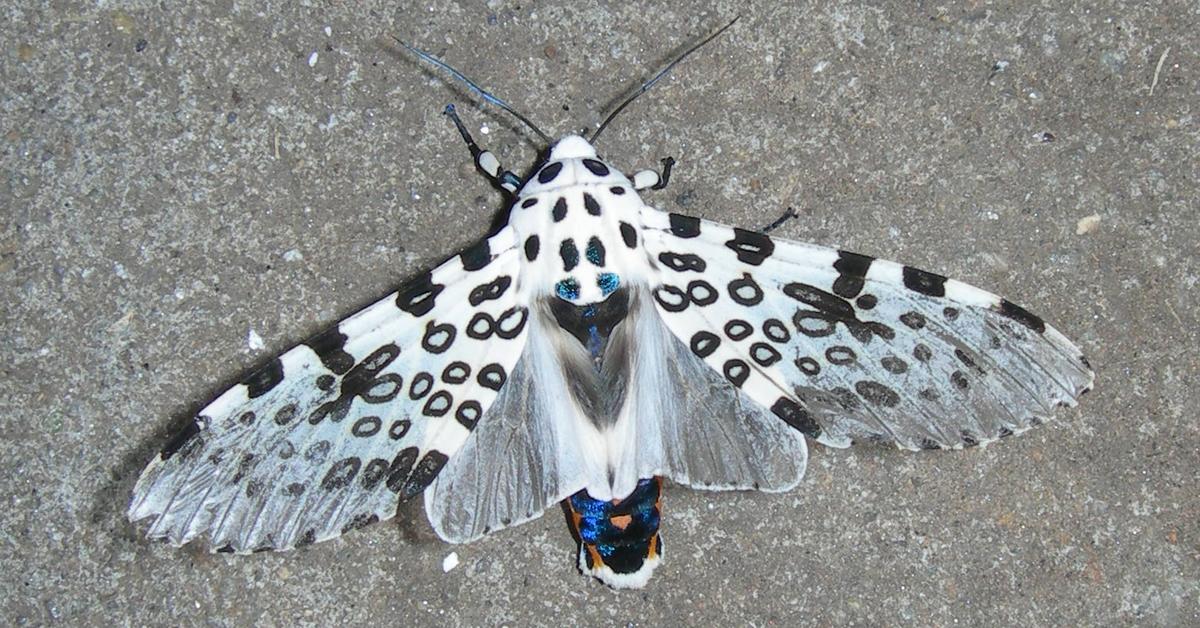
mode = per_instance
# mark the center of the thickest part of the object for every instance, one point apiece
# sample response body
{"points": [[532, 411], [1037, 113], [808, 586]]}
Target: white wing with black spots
{"points": [[333, 433], [845, 347]]}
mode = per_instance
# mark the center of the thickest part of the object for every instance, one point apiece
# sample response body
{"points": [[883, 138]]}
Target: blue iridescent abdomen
{"points": [[623, 535]]}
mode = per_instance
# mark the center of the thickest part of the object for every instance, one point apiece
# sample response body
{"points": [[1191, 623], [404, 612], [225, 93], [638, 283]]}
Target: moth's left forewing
{"points": [[333, 433], [845, 347]]}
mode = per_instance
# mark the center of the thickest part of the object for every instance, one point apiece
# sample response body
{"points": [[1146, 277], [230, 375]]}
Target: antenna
{"points": [[487, 96], [650, 83]]}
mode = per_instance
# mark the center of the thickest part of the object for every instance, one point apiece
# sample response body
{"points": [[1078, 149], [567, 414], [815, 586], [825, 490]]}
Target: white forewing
{"points": [[332, 434], [845, 347]]}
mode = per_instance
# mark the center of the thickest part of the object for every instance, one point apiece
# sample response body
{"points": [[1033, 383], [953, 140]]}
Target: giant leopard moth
{"points": [[590, 348]]}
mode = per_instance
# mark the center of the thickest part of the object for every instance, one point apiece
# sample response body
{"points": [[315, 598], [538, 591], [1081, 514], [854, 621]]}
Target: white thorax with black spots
{"points": [[577, 220]]}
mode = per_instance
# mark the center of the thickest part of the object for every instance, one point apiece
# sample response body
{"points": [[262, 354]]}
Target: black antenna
{"points": [[648, 84], [479, 90]]}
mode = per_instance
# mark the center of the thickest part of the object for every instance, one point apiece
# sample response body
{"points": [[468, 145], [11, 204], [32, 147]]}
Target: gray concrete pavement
{"points": [[175, 178]]}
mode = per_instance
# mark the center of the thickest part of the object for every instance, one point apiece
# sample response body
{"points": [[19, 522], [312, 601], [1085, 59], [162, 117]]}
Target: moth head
{"points": [[572, 147]]}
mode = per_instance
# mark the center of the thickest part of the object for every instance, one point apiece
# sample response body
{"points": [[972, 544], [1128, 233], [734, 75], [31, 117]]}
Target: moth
{"points": [[586, 351]]}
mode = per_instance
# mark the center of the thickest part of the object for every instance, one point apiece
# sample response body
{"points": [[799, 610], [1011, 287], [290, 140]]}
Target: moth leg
{"points": [[644, 179], [485, 160]]}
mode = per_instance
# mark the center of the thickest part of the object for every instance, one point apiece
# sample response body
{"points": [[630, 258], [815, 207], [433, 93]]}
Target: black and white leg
{"points": [[644, 179], [485, 160]]}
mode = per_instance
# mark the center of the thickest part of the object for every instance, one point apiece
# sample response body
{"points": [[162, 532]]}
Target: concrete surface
{"points": [[175, 178]]}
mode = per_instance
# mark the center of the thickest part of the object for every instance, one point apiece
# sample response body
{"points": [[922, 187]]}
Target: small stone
{"points": [[1087, 224], [254, 341], [449, 562]]}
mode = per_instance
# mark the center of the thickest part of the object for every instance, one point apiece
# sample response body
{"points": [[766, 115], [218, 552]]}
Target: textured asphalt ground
{"points": [[175, 179]]}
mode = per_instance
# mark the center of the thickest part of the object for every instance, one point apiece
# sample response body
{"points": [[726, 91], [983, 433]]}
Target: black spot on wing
{"points": [[775, 330], [877, 394], [456, 372], [400, 468], [764, 354], [489, 291], [684, 226], [399, 429], [745, 291], [840, 355], [511, 322], [424, 473], [285, 415], [852, 270], [894, 364], [476, 257], [560, 209], [751, 247], [924, 282], [180, 439], [671, 299], [529, 202], [704, 343], [335, 410], [365, 380], [481, 326], [824, 302], [374, 473], [736, 371], [492, 376], [468, 413], [701, 292], [913, 320], [682, 263], [419, 387], [808, 365], [796, 416], [438, 404], [738, 329], [1021, 315], [329, 345], [366, 426], [419, 296], [341, 473], [438, 337], [264, 379]]}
